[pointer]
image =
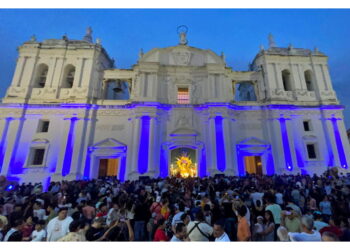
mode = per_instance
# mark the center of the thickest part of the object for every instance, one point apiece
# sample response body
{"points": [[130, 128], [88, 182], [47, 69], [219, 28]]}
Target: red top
{"points": [[337, 231], [160, 235]]}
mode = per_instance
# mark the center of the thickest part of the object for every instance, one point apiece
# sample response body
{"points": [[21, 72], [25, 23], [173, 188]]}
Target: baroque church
{"points": [[70, 114]]}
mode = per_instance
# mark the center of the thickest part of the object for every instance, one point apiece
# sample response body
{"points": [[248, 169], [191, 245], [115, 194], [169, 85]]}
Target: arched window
{"points": [[309, 80], [41, 76], [68, 77], [286, 78]]}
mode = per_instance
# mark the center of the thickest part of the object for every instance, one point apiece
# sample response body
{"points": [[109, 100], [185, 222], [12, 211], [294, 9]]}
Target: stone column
{"points": [[5, 124], [16, 81], [333, 151], [286, 144], [151, 147], [212, 149], [226, 124], [339, 143], [134, 151], [78, 140], [79, 73], [10, 144]]}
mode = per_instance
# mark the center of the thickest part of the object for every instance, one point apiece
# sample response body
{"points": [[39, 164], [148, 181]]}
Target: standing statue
{"points": [[182, 31], [272, 43], [88, 35]]}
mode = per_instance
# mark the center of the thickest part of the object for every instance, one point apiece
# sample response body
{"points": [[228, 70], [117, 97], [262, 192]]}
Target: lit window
{"points": [[183, 96], [311, 151], [43, 126]]}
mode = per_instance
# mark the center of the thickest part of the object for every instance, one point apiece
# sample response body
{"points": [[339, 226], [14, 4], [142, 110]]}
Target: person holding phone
{"points": [[290, 219]]}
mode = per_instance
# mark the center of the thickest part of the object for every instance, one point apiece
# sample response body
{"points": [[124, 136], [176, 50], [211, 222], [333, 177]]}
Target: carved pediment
{"points": [[253, 141], [109, 143]]}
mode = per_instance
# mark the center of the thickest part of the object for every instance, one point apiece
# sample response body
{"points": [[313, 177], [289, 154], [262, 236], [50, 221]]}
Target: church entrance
{"points": [[183, 163], [108, 167], [253, 165]]}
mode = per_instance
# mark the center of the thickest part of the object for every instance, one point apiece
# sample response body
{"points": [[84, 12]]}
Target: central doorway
{"points": [[108, 167], [253, 165], [183, 163]]}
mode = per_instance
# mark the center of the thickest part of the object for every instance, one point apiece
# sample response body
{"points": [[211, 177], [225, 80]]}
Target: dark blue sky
{"points": [[238, 33]]}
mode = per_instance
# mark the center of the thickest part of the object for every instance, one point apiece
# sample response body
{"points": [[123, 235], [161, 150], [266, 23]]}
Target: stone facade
{"points": [[94, 111]]}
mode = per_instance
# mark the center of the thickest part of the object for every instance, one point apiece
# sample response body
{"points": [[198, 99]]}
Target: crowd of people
{"points": [[220, 208]]}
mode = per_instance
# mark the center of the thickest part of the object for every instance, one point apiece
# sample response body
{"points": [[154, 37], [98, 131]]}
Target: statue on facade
{"points": [[272, 43], [182, 31], [88, 35]]}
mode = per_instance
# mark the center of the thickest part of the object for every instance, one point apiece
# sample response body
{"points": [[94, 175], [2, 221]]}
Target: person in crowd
{"points": [[59, 226], [15, 231], [318, 221], [38, 211], [199, 230], [39, 234], [219, 232], [73, 234], [268, 232], [28, 228], [274, 208], [243, 230], [307, 234], [96, 231], [290, 220], [160, 234], [333, 227], [329, 236], [326, 207], [180, 233], [282, 234]]}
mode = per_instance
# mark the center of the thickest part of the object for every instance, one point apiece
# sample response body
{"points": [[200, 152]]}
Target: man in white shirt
{"points": [[307, 234], [199, 230], [39, 234], [180, 233], [59, 226], [219, 232], [255, 196], [38, 211]]}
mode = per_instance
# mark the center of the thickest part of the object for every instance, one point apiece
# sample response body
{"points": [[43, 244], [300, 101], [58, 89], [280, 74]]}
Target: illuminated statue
{"points": [[184, 167]]}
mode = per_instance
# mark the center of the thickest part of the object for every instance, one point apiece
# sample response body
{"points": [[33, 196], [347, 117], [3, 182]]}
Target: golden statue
{"points": [[184, 167]]}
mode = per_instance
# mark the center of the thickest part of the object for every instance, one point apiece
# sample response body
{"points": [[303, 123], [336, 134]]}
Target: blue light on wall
{"points": [[339, 143], [220, 145], [286, 147], [122, 169], [163, 172], [144, 144], [203, 165], [87, 165], [69, 148], [3, 141]]}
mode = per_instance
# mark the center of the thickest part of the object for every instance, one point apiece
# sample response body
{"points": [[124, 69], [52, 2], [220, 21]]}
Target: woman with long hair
{"points": [[269, 227]]}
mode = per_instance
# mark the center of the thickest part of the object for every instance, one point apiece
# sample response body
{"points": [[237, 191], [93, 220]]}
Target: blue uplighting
{"points": [[286, 147], [339, 143], [220, 145], [69, 148], [144, 144]]}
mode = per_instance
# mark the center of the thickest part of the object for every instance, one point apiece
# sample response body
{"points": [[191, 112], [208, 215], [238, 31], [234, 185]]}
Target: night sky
{"points": [[238, 33]]}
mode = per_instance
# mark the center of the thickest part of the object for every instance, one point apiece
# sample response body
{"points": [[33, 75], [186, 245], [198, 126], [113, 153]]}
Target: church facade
{"points": [[69, 113]]}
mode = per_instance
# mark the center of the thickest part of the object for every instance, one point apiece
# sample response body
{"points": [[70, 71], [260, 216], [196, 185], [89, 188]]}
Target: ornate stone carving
{"points": [[181, 56]]}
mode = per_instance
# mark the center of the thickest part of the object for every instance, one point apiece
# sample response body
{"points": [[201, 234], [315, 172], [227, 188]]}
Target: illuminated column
{"points": [[3, 139], [144, 145], [134, 151], [332, 147], [212, 146], [339, 143], [286, 145], [10, 145], [66, 128], [152, 146], [226, 123], [78, 148], [68, 155], [220, 144]]}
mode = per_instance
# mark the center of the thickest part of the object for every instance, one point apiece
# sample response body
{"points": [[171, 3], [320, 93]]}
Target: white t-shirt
{"points": [[315, 236], [196, 235], [38, 236], [56, 228], [223, 238], [257, 196], [279, 198]]}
